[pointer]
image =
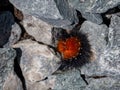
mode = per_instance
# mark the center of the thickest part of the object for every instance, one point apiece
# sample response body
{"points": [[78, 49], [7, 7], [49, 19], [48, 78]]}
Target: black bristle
{"points": [[84, 55]]}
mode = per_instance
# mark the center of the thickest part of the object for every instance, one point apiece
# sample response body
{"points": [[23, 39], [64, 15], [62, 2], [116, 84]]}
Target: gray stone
{"points": [[37, 60], [69, 80], [101, 6], [111, 56], [48, 11], [84, 6], [12, 83], [108, 83], [6, 22], [96, 35], [14, 36], [66, 10], [105, 42], [91, 9], [37, 28], [115, 30], [8, 79], [47, 84], [93, 17], [94, 6], [46, 8]]}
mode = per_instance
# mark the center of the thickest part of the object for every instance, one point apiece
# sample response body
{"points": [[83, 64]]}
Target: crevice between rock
{"points": [[17, 68], [83, 76], [107, 15]]}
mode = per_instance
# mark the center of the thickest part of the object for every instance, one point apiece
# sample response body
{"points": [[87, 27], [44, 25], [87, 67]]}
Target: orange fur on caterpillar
{"points": [[69, 48]]}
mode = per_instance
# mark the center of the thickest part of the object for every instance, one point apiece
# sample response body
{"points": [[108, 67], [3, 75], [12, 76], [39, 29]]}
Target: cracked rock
{"points": [[96, 35], [47, 84], [111, 56], [14, 36], [94, 6], [108, 83], [69, 80], [91, 9], [49, 11], [37, 28], [9, 30], [8, 78], [37, 61], [107, 61]]}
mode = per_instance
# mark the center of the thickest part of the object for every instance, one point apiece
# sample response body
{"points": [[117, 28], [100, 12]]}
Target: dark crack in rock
{"points": [[6, 22], [8, 79]]}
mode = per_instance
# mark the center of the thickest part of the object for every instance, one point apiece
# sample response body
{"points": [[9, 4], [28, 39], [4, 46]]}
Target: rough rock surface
{"points": [[37, 60], [96, 35], [48, 10], [14, 36], [91, 9], [111, 56], [6, 22], [37, 28], [108, 83], [47, 84], [8, 79], [107, 62], [95, 6], [69, 80]]}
